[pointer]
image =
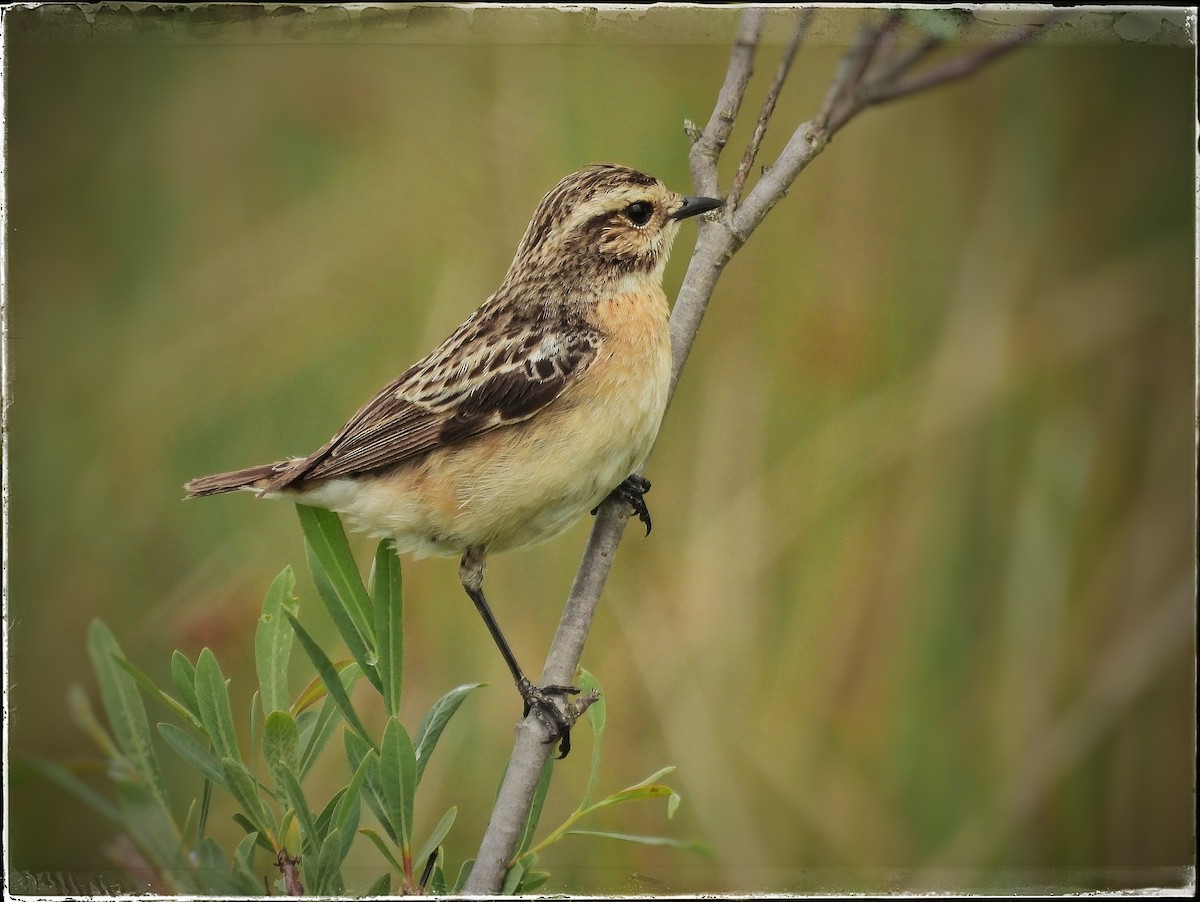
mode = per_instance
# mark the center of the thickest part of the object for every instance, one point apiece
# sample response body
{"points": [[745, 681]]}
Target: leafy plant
{"points": [[306, 845]]}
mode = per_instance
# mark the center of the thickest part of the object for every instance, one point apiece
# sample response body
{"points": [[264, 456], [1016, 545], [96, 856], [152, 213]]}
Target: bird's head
{"points": [[606, 221]]}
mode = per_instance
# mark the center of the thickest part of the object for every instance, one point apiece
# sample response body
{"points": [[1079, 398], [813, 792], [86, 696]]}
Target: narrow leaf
{"points": [[461, 880], [194, 753], [356, 751], [245, 790], [215, 713], [435, 722], [668, 841], [295, 797], [436, 837], [149, 687], [327, 541], [325, 880], [596, 715], [183, 675], [321, 724], [125, 710], [273, 642], [387, 593], [281, 745], [329, 676], [357, 641], [397, 773], [349, 807], [512, 879], [382, 847]]}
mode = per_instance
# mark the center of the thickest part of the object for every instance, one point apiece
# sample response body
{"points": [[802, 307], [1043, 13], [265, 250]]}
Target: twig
{"points": [[959, 67], [768, 110], [708, 144]]}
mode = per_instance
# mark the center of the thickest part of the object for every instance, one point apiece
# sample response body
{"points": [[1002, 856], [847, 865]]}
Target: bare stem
{"points": [[854, 87]]}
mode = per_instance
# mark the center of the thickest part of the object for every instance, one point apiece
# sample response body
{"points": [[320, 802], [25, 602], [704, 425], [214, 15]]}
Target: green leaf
{"points": [[148, 686], [668, 841], [374, 836], [329, 676], [325, 878], [436, 837], [381, 887], [215, 713], [273, 642], [244, 822], [358, 642], [356, 752], [327, 541], [512, 879], [194, 753], [397, 774], [281, 745], [596, 715], [183, 675], [641, 791], [535, 810], [243, 865], [244, 789], [435, 722], [309, 837], [349, 807], [125, 710], [387, 592], [317, 726], [461, 880]]}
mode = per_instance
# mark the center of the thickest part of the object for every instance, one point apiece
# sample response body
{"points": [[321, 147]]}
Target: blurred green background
{"points": [[918, 608]]}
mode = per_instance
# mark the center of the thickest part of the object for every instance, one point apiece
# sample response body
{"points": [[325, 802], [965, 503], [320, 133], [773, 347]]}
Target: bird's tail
{"points": [[253, 478]]}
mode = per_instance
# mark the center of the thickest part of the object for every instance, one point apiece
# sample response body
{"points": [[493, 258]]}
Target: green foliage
{"points": [[304, 847], [287, 732]]}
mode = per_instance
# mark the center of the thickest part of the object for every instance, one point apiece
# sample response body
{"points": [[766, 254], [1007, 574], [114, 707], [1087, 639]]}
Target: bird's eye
{"points": [[639, 212]]}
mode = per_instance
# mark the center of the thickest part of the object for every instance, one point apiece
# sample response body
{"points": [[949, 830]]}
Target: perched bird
{"points": [[530, 414]]}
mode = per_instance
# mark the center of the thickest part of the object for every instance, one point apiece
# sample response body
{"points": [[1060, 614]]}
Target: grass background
{"points": [[918, 608]]}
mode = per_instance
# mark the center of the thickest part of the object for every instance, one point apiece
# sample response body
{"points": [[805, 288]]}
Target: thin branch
{"points": [[854, 66], [768, 109], [959, 67], [708, 144]]}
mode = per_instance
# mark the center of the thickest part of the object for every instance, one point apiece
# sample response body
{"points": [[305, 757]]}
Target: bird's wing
{"points": [[479, 379]]}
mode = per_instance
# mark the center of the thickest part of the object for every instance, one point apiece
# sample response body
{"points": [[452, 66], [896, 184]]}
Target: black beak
{"points": [[694, 206]]}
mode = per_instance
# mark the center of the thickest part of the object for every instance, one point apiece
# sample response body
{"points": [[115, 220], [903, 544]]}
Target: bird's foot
{"points": [[633, 492], [557, 720]]}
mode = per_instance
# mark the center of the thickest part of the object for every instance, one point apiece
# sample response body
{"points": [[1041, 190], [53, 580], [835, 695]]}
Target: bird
{"points": [[541, 405]]}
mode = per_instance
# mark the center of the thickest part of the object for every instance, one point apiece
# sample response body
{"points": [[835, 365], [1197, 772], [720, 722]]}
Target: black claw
{"points": [[538, 699], [632, 491]]}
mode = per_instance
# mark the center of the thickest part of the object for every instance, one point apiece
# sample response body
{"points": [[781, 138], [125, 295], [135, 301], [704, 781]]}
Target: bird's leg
{"points": [[633, 491], [536, 698]]}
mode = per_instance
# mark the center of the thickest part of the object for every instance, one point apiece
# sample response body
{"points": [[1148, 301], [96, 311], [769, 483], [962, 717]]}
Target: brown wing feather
{"points": [[476, 381]]}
